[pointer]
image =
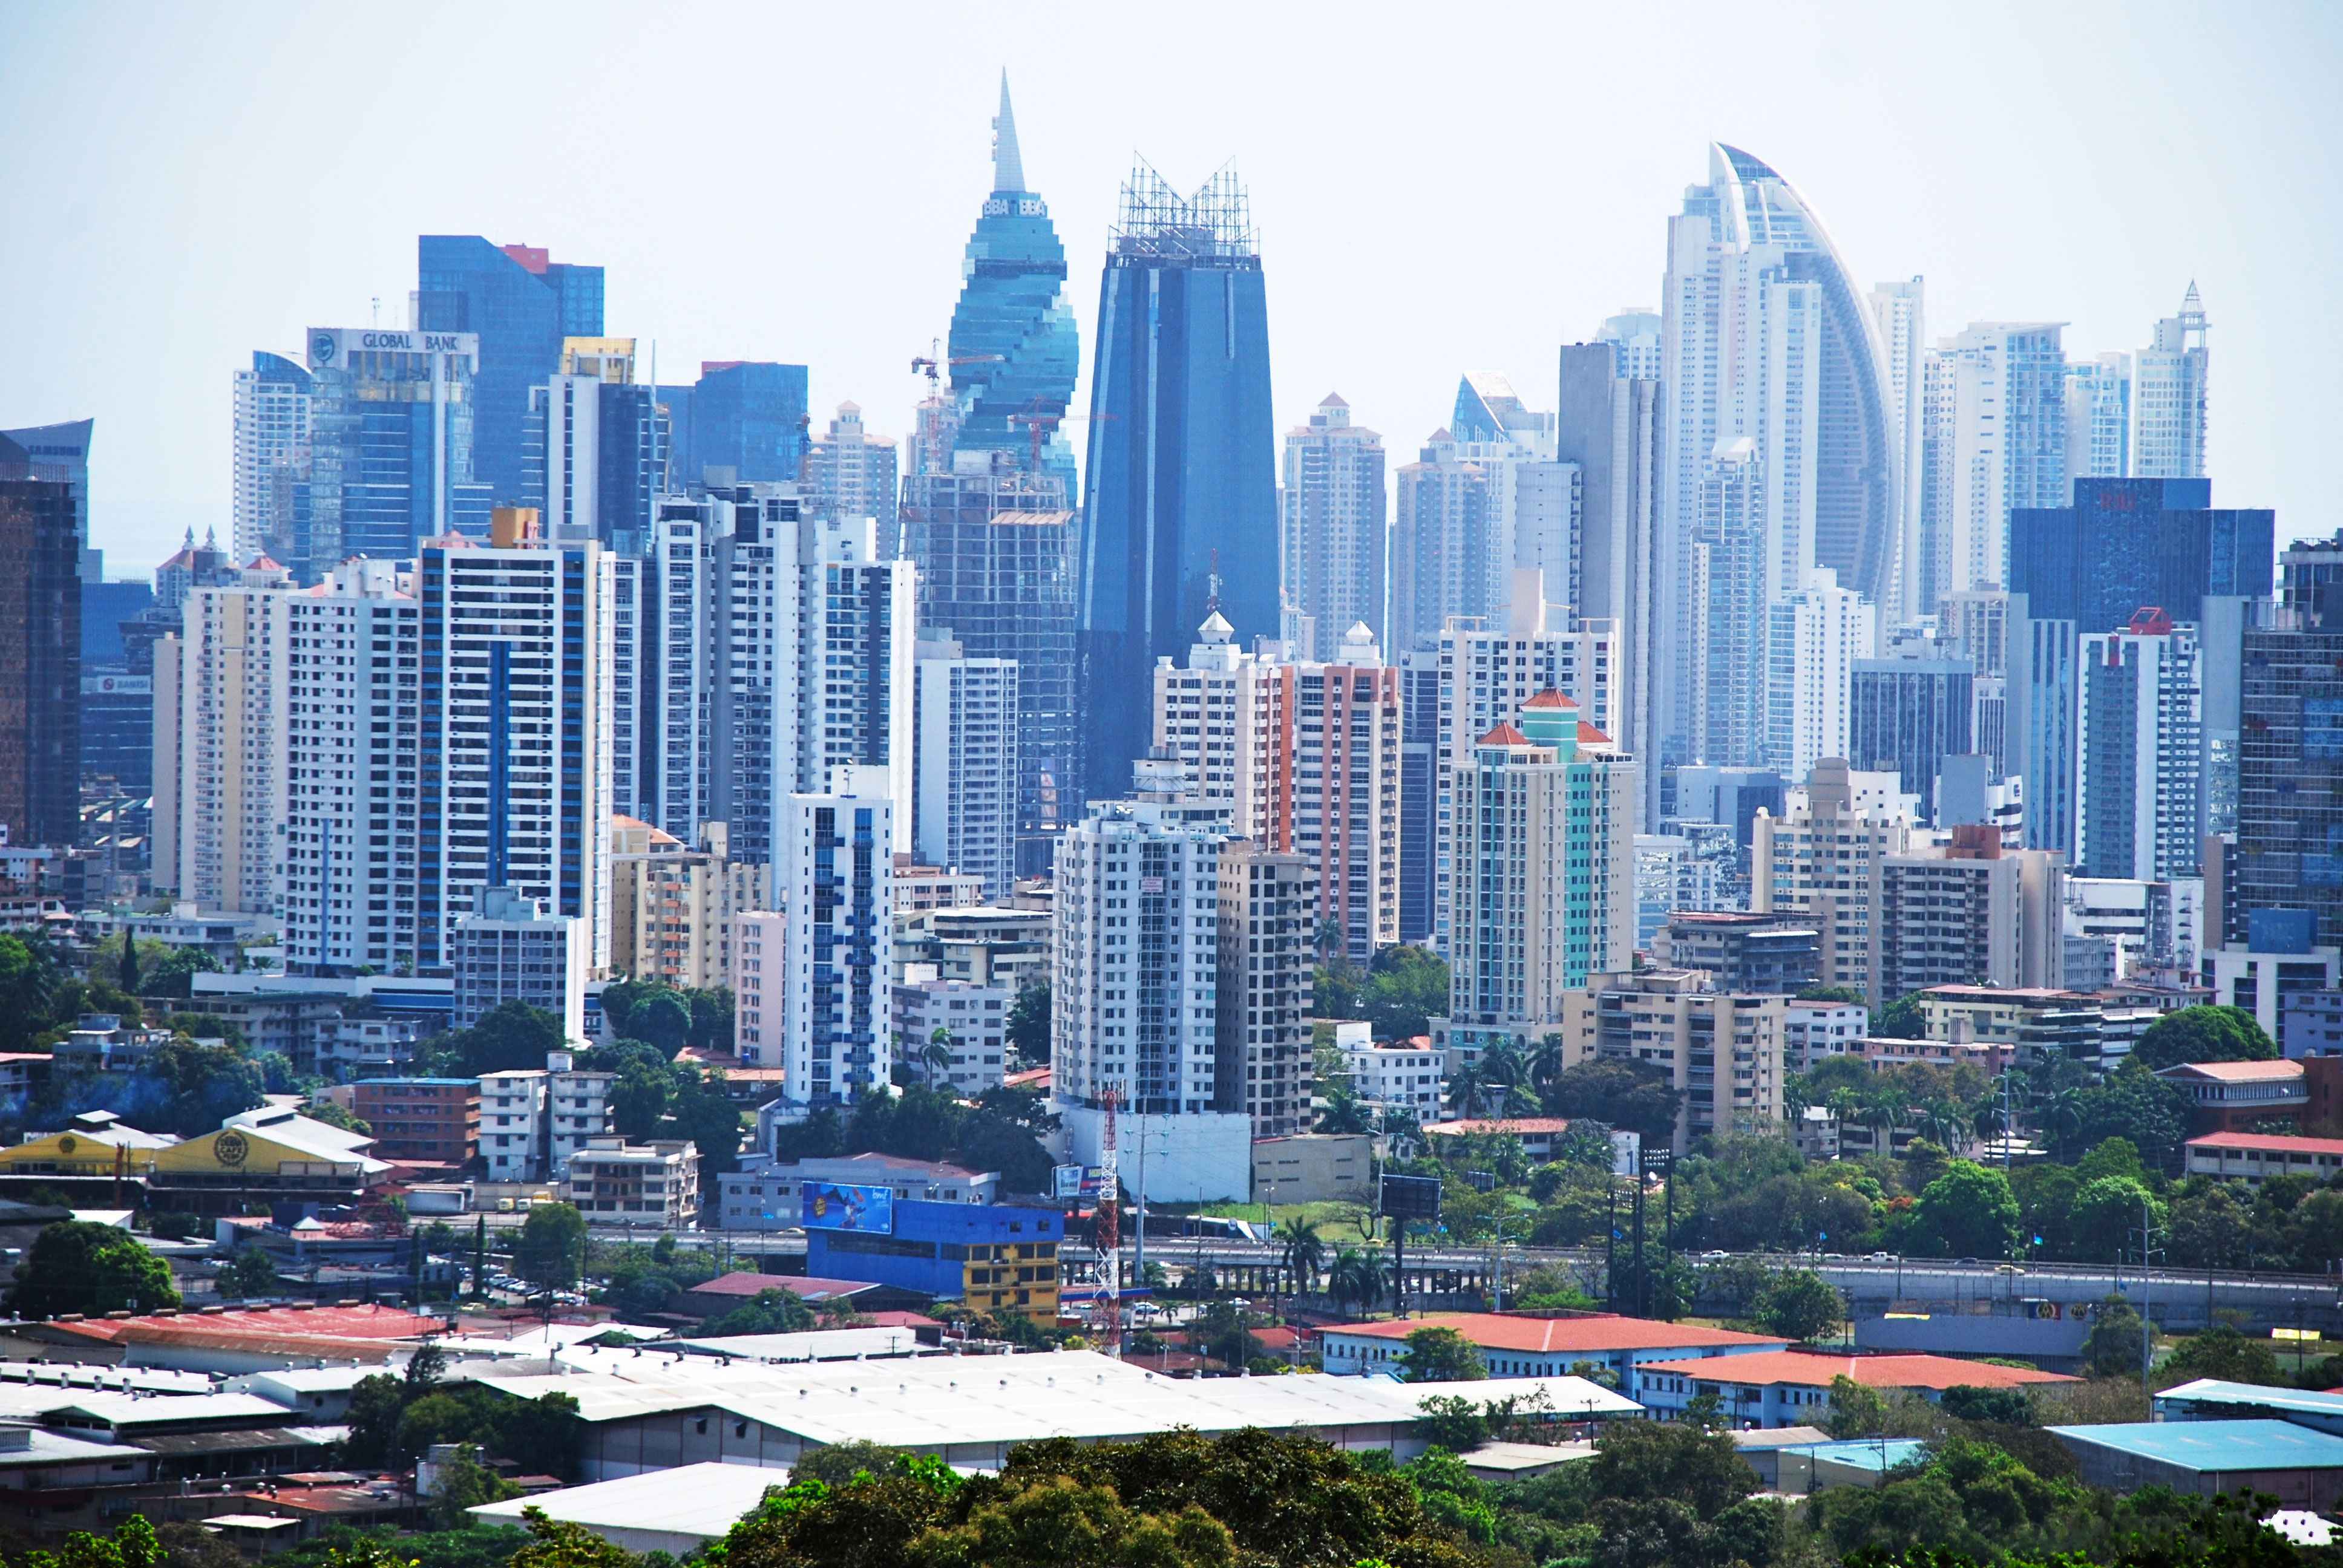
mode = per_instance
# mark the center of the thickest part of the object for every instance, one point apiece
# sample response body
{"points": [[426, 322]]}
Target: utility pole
{"points": [[2146, 1318]]}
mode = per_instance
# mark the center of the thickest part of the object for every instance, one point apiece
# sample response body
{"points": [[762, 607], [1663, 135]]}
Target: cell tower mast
{"points": [[1107, 1313]]}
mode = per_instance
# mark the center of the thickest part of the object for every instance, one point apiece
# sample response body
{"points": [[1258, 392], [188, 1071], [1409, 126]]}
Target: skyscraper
{"points": [[964, 805], [2140, 799], [1908, 715], [272, 453], [2168, 403], [2098, 420], [1766, 337], [1817, 634], [2008, 441], [2124, 543], [40, 650], [1444, 545], [835, 876], [64, 451], [1606, 426], [1013, 349], [518, 304], [392, 426], [1180, 513], [1634, 338], [1334, 534], [850, 473], [746, 417], [1901, 311], [596, 448], [2289, 848]]}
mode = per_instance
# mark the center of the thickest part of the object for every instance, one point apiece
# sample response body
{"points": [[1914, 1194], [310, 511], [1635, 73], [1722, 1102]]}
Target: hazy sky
{"points": [[1439, 188]]}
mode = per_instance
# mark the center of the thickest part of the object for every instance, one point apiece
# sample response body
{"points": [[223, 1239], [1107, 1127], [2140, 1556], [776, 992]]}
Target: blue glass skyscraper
{"points": [[748, 416], [520, 304], [1179, 499], [1014, 354]]}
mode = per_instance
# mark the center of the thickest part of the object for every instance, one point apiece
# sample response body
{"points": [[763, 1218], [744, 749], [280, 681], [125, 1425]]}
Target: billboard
{"points": [[1412, 1197], [331, 347], [834, 1206]]}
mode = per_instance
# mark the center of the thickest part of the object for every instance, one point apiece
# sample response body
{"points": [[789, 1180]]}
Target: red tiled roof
{"points": [[2240, 1072], [1499, 1332], [805, 1287], [1519, 1126], [1590, 736], [2268, 1143], [1504, 735], [1549, 698], [1036, 1077], [1807, 1369], [898, 1320], [365, 1322]]}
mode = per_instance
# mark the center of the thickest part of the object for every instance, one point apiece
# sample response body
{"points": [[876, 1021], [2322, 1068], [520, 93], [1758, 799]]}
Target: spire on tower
{"points": [[1007, 168]]}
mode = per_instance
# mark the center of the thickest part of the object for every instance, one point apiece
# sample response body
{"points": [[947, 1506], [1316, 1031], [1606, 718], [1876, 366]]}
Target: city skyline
{"points": [[186, 289]]}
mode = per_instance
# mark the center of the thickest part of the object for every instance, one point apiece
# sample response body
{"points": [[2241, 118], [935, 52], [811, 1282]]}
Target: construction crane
{"points": [[933, 365], [1036, 423], [1106, 1308]]}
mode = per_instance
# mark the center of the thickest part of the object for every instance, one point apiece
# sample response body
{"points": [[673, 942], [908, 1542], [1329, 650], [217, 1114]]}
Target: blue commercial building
{"points": [[392, 422], [996, 1260], [2125, 543], [2290, 849], [748, 416], [1014, 351], [520, 304], [1909, 715], [65, 446], [1179, 498]]}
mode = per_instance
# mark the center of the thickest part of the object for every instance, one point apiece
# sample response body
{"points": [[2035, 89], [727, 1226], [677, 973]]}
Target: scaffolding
{"points": [[1215, 224]]}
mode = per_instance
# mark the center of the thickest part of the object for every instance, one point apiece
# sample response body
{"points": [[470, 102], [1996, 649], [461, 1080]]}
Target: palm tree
{"points": [[1940, 1120], [1305, 1253], [1547, 1062], [936, 1053], [1344, 1113], [1883, 1107], [2061, 1112], [1357, 1275]]}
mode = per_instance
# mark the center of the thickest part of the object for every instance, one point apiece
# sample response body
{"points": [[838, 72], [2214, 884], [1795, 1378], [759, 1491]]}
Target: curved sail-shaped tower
{"points": [[1014, 346]]}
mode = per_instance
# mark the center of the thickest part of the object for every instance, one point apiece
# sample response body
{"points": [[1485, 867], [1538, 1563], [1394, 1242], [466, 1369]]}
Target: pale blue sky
{"points": [[1439, 188]]}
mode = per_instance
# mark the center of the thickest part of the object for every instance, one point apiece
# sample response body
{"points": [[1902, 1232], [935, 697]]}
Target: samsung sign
{"points": [[331, 346]]}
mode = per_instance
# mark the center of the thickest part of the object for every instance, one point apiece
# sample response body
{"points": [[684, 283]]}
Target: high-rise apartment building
{"points": [[596, 445], [2007, 442], [2098, 420], [2168, 401], [352, 745], [675, 909], [1343, 753], [2140, 797], [1180, 507], [1607, 428], [1634, 338], [1487, 499], [1334, 535], [996, 553], [62, 451], [1445, 534], [1014, 351], [1543, 879], [743, 422], [1824, 860], [1766, 337], [515, 712], [1422, 775], [850, 473], [391, 430], [1225, 719], [221, 769], [845, 698], [964, 794], [271, 455], [834, 878], [1970, 913], [517, 304], [1729, 574], [40, 650], [1266, 955], [1817, 636], [1974, 626], [1900, 310], [1907, 715]]}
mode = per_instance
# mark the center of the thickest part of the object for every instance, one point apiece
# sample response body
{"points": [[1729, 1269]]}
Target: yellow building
{"points": [[266, 1156]]}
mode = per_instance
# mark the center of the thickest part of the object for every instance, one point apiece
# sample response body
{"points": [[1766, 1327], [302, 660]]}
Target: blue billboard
{"points": [[833, 1206]]}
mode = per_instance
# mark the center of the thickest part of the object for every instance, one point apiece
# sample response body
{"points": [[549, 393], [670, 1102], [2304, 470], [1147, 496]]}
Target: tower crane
{"points": [[933, 364]]}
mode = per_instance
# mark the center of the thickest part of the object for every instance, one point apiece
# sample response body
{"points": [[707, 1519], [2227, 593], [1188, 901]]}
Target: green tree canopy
{"points": [[2203, 1034], [1969, 1211], [1799, 1304], [2220, 1352], [1634, 1095], [80, 1266], [551, 1252], [1901, 1020], [1442, 1355]]}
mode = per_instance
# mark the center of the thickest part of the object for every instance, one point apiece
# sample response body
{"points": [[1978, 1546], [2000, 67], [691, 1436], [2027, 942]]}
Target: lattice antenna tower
{"points": [[1215, 223]]}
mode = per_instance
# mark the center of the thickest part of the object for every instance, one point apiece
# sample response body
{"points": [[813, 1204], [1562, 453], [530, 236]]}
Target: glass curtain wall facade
{"points": [[1180, 513], [746, 415], [521, 303]]}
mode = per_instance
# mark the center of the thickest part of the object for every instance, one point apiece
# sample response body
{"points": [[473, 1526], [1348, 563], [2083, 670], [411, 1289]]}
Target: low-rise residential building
{"points": [[1513, 1346], [1409, 1078], [2045, 1022], [102, 1042], [984, 945], [2252, 1157], [1973, 912], [969, 1021], [1815, 1032], [430, 1121], [2242, 1096], [2261, 979], [655, 1183], [1759, 954], [920, 888], [1990, 1056], [1781, 1387], [348, 1048], [512, 1117], [2311, 1023]]}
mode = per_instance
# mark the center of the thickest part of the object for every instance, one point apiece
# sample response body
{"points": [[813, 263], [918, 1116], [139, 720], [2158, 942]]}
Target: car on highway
{"points": [[1715, 1257], [1879, 1257]]}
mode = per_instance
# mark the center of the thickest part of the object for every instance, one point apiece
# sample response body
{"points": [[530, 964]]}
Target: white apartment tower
{"points": [[2168, 403], [509, 949], [964, 805], [2139, 797], [1333, 531], [2007, 442], [848, 686], [220, 762], [272, 452], [1825, 859], [1817, 633], [1221, 719], [1901, 312], [834, 878]]}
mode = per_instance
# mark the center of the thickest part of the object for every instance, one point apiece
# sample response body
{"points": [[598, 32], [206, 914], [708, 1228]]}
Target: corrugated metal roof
{"points": [[2216, 1445]]}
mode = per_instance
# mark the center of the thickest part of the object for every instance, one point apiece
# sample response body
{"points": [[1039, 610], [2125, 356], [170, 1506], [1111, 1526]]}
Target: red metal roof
{"points": [[2268, 1143], [1519, 1126], [1501, 1332], [1807, 1369], [363, 1323], [805, 1287], [2238, 1072]]}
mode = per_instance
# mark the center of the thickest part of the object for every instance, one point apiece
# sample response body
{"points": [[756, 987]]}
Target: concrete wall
{"points": [[1201, 1159]]}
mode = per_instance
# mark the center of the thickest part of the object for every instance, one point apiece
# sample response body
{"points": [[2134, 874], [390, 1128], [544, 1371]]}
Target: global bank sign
{"points": [[333, 346]]}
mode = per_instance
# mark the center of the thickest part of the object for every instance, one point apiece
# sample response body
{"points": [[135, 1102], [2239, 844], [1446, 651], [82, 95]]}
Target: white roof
{"points": [[1509, 1458], [248, 1522], [56, 1375], [306, 1379], [279, 1122], [132, 1410], [811, 1345], [928, 1403], [701, 1499], [48, 1447]]}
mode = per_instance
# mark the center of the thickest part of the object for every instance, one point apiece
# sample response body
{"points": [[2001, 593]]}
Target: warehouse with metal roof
{"points": [[2300, 1467]]}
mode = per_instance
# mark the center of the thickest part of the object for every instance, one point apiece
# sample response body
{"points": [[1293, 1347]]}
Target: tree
{"points": [[1798, 1305], [465, 1483], [1356, 1275], [1634, 1095], [556, 1543], [28, 980], [2132, 1104], [2111, 1348], [1442, 1355], [80, 1266], [1344, 1113], [2220, 1352], [1901, 1020], [766, 1312], [705, 1113], [2203, 1034], [1221, 1330], [936, 1055], [2210, 1228], [510, 1036], [639, 1098], [376, 1403], [836, 1464], [1027, 1029], [1451, 1422], [1683, 1462], [1968, 1211], [662, 1019], [130, 963], [1304, 1251], [1845, 994], [1407, 987], [1999, 1406], [551, 1252], [2108, 1211], [251, 1272]]}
